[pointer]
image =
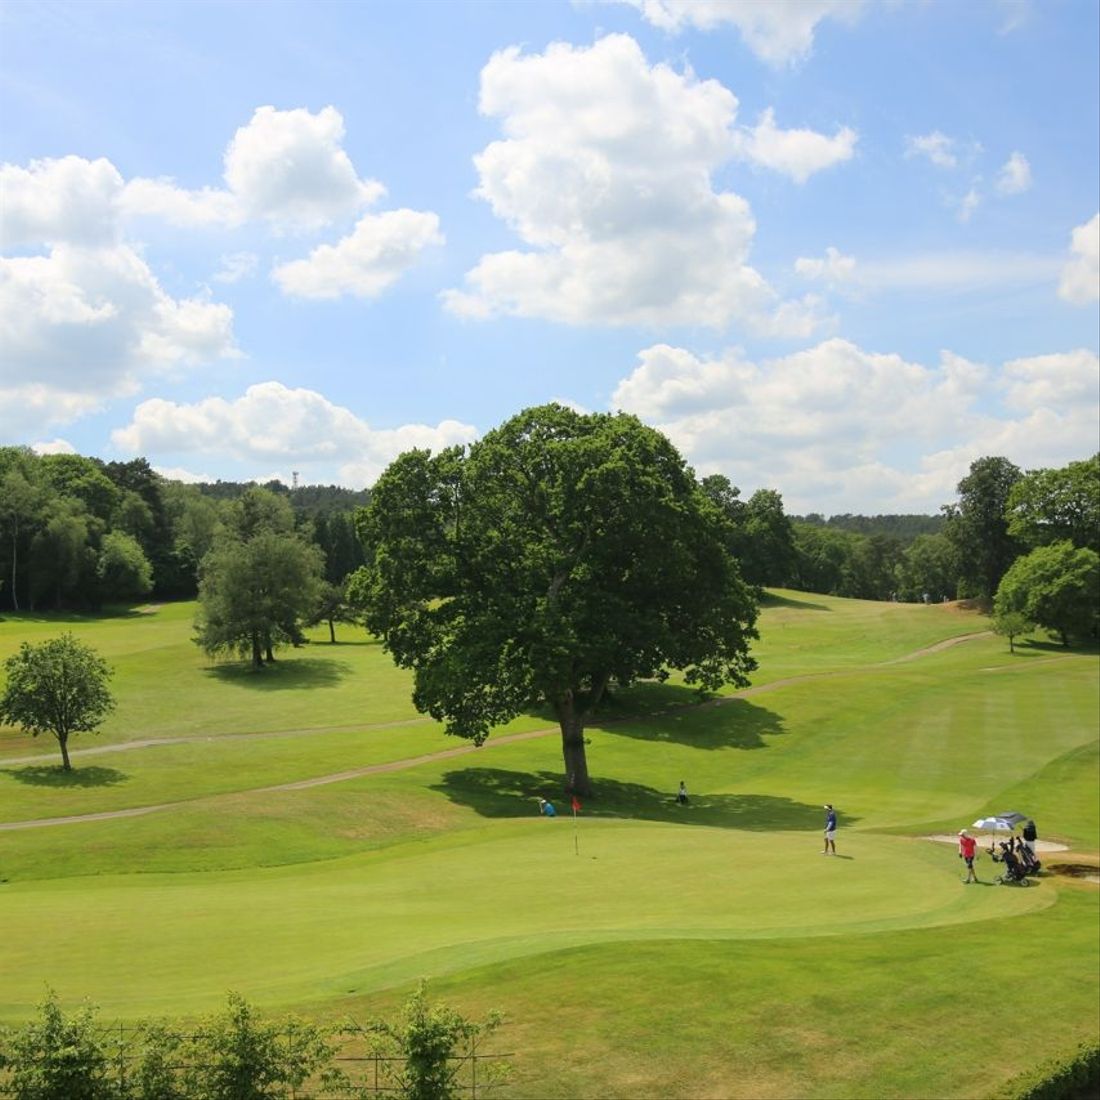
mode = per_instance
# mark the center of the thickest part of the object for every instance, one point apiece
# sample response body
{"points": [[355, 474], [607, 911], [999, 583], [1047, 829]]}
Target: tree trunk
{"points": [[572, 746], [14, 554], [64, 742], [257, 653], [332, 632]]}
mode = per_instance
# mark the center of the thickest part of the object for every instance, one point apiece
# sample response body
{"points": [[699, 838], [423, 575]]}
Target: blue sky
{"points": [[834, 248]]}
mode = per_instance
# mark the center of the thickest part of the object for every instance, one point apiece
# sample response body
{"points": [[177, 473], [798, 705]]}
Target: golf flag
{"points": [[576, 803]]}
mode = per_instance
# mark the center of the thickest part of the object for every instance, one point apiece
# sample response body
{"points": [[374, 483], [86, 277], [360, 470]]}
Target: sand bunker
{"points": [[981, 838]]}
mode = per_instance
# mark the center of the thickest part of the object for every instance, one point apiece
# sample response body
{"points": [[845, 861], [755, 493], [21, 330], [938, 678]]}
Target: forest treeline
{"points": [[77, 532]]}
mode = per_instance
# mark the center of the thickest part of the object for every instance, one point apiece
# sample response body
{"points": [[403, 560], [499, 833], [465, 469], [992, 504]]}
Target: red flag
{"points": [[576, 803]]}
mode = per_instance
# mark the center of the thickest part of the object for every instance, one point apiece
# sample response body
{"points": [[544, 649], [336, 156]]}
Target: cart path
{"points": [[406, 762], [307, 731], [296, 785], [196, 738]]}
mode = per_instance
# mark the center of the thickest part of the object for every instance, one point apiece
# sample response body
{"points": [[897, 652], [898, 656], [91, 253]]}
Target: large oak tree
{"points": [[559, 554]]}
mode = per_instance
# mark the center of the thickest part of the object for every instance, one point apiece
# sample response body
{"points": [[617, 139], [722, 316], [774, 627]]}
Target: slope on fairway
{"points": [[153, 943]]}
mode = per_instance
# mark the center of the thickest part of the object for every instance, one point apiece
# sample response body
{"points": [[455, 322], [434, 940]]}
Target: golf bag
{"points": [[1014, 873], [1030, 864]]}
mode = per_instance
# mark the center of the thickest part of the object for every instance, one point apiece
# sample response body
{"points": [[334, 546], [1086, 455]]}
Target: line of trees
{"points": [[78, 533], [1001, 515]]}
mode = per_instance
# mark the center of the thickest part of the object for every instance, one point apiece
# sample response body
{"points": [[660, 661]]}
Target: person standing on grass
{"points": [[682, 794], [967, 847], [830, 829]]}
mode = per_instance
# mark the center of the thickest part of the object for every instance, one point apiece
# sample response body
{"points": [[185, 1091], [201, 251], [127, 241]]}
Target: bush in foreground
{"points": [[235, 1054]]}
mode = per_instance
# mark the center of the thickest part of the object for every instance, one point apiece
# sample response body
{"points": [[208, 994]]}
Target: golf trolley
{"points": [[1016, 871]]}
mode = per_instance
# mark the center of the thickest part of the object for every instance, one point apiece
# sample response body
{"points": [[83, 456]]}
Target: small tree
{"points": [[124, 571], [235, 1055], [1010, 625], [58, 686], [56, 1056], [431, 1041], [332, 607]]}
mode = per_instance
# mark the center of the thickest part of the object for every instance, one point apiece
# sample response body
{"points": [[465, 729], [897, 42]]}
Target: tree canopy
{"points": [[558, 554], [258, 582], [978, 527], [1056, 587], [1048, 506], [58, 686]]}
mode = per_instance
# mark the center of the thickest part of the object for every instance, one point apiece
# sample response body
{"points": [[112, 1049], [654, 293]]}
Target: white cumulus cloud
{"points": [[236, 266], [834, 268], [189, 477], [55, 446], [291, 168], [1015, 175], [838, 428], [376, 254], [272, 422], [1081, 276], [605, 174], [937, 147], [80, 325], [288, 168], [64, 201], [163, 200], [968, 204], [777, 31], [795, 153]]}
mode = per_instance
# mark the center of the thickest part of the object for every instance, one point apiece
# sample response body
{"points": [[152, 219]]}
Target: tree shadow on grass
{"points": [[44, 775], [771, 599], [1036, 647], [75, 618], [720, 724], [300, 672], [496, 792]]}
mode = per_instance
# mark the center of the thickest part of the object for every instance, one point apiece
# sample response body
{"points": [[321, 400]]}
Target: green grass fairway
{"points": [[651, 950], [495, 894]]}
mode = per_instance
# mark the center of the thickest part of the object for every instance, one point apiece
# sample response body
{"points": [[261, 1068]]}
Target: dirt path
{"points": [[393, 765], [296, 785], [947, 643], [193, 739]]}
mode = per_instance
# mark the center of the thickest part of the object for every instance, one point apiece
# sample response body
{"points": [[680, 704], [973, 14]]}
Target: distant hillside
{"points": [[306, 500]]}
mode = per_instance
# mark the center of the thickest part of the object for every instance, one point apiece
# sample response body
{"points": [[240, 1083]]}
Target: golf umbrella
{"points": [[996, 824], [1013, 818]]}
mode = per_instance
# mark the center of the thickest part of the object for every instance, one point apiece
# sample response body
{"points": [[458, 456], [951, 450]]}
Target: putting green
{"points": [[150, 943]]}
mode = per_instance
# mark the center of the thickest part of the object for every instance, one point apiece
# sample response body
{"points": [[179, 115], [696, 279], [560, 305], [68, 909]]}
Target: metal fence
{"points": [[366, 1073]]}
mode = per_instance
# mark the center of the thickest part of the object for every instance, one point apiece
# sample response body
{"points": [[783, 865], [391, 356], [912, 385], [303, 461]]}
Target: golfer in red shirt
{"points": [[967, 847]]}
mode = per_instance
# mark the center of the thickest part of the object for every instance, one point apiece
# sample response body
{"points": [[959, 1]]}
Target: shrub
{"points": [[1074, 1078], [57, 1057]]}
